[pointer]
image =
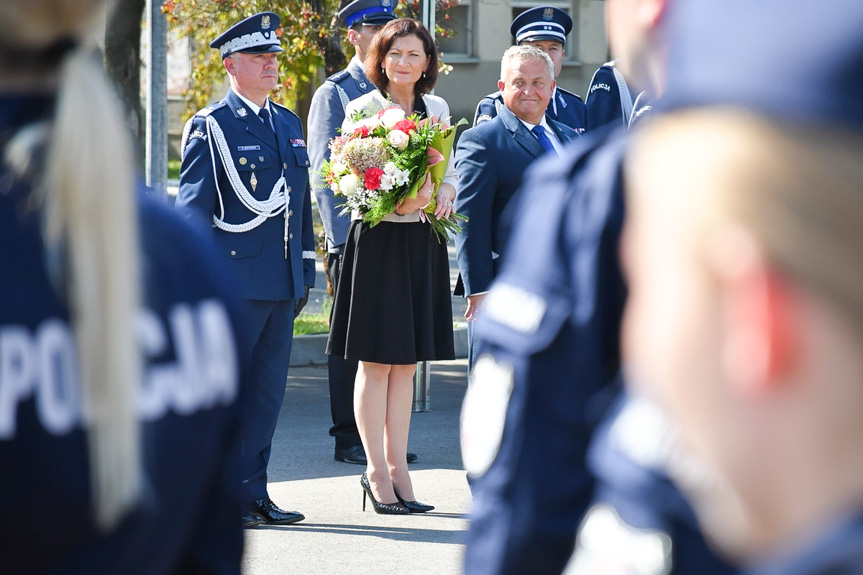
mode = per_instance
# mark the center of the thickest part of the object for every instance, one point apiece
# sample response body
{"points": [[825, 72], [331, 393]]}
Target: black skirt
{"points": [[392, 304]]}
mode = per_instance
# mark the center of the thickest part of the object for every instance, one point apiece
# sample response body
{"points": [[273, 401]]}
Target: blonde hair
{"points": [[798, 189], [90, 225]]}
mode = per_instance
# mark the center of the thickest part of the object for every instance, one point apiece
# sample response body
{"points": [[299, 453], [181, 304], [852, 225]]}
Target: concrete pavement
{"points": [[337, 536]]}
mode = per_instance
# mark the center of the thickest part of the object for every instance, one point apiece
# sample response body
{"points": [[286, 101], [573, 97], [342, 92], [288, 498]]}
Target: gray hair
{"points": [[523, 54]]}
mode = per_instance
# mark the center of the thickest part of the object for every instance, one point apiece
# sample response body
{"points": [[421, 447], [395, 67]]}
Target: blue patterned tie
{"points": [[543, 138]]}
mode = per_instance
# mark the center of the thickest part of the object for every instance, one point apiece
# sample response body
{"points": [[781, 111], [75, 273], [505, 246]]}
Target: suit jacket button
{"points": [[233, 253]]}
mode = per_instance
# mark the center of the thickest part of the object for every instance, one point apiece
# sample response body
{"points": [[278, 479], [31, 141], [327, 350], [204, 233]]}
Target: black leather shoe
{"points": [[272, 515], [251, 520], [353, 454]]}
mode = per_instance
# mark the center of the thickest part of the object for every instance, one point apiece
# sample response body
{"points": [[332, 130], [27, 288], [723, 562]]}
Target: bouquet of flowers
{"points": [[386, 159]]}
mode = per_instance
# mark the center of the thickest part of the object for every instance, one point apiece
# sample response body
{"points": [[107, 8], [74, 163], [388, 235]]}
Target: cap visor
{"points": [[263, 49]]}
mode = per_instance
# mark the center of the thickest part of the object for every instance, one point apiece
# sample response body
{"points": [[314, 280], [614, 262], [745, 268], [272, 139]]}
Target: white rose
{"points": [[398, 140], [392, 116], [349, 184]]}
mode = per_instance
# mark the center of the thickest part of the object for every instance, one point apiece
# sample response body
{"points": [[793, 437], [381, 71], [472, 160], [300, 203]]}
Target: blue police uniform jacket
{"points": [[631, 455], [256, 257], [609, 100], [565, 108], [189, 515], [326, 114], [490, 160], [545, 333]]}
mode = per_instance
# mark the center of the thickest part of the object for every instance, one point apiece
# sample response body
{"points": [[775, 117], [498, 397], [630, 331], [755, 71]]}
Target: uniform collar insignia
{"points": [[241, 112]]}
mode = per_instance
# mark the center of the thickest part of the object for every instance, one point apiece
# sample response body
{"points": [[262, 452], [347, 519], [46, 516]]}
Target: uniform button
{"points": [[252, 166], [289, 189], [290, 213], [233, 253], [307, 162], [290, 236], [285, 165]]}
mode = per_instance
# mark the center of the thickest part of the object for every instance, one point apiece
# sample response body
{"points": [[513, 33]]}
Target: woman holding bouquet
{"points": [[393, 307]]}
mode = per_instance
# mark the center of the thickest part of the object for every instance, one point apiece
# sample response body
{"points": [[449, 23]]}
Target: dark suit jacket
{"points": [[255, 257], [490, 160]]}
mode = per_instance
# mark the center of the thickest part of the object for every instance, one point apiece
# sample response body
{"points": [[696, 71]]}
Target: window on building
{"points": [[459, 18]]}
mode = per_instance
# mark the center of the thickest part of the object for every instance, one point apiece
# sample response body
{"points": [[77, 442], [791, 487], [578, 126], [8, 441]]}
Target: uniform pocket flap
{"points": [[514, 317]]}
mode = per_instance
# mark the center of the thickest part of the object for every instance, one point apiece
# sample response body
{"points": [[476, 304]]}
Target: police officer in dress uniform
{"points": [[490, 160], [771, 132], [119, 382], [545, 27], [608, 98], [556, 309], [363, 19], [245, 171]]}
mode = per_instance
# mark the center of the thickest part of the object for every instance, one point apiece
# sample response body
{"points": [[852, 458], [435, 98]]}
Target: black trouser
{"points": [[342, 374]]}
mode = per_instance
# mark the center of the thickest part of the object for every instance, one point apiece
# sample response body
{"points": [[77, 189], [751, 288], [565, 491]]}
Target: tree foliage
{"points": [[311, 35]]}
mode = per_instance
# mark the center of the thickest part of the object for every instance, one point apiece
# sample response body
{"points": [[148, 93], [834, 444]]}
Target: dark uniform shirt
{"points": [[188, 519]]}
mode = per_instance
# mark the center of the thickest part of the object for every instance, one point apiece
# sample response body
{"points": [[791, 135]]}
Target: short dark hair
{"points": [[382, 43]]}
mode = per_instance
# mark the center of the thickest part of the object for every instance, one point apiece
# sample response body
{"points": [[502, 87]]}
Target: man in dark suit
{"points": [[546, 28], [490, 160], [245, 170], [326, 114]]}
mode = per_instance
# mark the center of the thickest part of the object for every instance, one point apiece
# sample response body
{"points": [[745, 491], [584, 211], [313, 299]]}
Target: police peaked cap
{"points": [[368, 12], [789, 59], [254, 35], [541, 23]]}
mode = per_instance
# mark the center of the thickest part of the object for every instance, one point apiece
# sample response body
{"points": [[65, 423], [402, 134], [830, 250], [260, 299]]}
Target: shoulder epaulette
{"points": [[204, 112], [339, 76], [573, 94]]}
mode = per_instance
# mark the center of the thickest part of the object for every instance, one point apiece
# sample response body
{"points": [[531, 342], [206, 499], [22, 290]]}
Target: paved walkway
{"points": [[337, 537]]}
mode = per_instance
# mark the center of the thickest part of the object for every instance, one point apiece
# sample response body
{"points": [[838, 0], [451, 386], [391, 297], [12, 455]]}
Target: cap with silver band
{"points": [[254, 35]]}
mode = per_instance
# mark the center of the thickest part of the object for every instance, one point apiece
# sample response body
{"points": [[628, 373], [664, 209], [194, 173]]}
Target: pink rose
{"points": [[398, 140]]}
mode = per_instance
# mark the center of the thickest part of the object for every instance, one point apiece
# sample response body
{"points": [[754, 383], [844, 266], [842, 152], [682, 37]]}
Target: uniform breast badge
{"points": [[254, 181]]}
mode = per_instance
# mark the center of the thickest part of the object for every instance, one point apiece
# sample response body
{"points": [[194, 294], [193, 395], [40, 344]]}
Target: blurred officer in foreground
{"points": [[555, 309], [245, 174], [746, 317], [546, 28], [490, 160], [118, 372], [363, 19], [608, 99]]}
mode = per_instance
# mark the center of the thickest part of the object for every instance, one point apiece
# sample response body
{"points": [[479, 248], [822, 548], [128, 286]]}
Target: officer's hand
{"points": [[473, 304], [301, 303]]}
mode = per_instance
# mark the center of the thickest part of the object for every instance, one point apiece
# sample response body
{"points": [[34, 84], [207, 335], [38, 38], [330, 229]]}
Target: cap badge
{"points": [[548, 14], [265, 21], [385, 3]]}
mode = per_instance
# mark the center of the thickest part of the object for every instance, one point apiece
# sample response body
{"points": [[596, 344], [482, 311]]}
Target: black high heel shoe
{"points": [[414, 506], [383, 508]]}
